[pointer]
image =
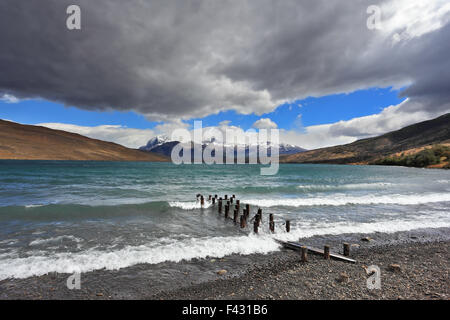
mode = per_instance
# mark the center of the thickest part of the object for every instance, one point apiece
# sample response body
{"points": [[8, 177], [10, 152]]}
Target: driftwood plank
{"points": [[297, 246]]}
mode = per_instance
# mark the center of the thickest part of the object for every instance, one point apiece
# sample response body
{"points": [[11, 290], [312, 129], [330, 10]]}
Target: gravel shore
{"points": [[422, 272]]}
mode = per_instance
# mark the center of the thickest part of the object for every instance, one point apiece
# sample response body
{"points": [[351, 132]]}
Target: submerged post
{"points": [[326, 252], [220, 205], [346, 249], [288, 226], [235, 216], [213, 200], [247, 207], [202, 201]]}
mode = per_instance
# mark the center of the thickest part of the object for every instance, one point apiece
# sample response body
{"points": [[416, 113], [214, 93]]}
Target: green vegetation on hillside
{"points": [[421, 159]]}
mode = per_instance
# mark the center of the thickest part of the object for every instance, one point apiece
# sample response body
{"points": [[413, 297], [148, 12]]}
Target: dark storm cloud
{"points": [[171, 59]]}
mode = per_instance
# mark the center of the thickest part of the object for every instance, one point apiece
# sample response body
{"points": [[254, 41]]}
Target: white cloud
{"points": [[128, 137], [389, 119], [265, 123], [9, 99], [406, 19]]}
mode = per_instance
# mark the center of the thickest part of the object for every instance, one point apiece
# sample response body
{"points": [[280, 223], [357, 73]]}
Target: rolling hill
{"points": [[367, 151], [27, 142]]}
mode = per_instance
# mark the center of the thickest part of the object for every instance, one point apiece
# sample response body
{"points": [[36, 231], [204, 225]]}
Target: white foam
{"points": [[425, 221], [40, 241], [34, 205], [152, 253], [350, 186], [342, 200], [189, 205]]}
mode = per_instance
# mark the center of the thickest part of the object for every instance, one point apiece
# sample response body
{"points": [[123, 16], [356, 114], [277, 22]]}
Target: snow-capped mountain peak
{"points": [[154, 142]]}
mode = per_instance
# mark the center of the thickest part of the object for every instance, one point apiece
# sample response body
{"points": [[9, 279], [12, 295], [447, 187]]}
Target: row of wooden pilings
{"points": [[244, 218], [257, 220]]}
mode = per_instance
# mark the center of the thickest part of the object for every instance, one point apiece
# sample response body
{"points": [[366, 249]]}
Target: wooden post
{"points": [[238, 202], [247, 207], [346, 249], [272, 226], [209, 198], [202, 201], [326, 252], [213, 200], [235, 216], [231, 200], [220, 205], [260, 214], [243, 222], [255, 226], [288, 226], [271, 223], [226, 197], [304, 254], [215, 196], [227, 210]]}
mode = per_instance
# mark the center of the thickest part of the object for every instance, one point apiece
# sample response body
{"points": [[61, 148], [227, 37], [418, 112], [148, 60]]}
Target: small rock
{"points": [[394, 268], [213, 260], [99, 294], [343, 278], [222, 272], [366, 239]]}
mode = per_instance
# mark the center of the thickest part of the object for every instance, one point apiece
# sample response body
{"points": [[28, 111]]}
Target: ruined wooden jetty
{"points": [[257, 222]]}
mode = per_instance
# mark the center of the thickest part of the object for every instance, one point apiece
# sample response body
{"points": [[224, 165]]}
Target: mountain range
{"points": [[28, 142], [163, 145]]}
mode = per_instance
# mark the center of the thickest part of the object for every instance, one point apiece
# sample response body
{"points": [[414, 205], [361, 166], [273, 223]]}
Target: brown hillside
{"points": [[367, 150], [26, 142]]}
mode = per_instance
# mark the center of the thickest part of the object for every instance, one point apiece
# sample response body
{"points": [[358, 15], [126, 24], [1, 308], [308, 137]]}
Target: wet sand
{"points": [[423, 257]]}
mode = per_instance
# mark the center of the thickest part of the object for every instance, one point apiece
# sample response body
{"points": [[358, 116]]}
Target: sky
{"points": [[324, 73]]}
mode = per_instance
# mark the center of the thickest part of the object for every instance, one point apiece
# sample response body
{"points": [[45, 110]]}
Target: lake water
{"points": [[69, 217]]}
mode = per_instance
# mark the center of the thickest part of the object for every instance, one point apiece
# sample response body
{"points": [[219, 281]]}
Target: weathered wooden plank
{"points": [[297, 246]]}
